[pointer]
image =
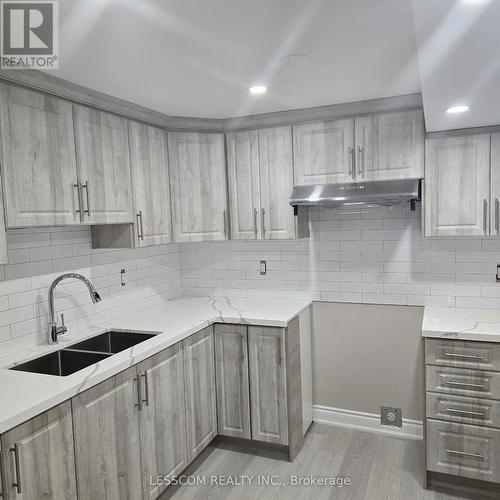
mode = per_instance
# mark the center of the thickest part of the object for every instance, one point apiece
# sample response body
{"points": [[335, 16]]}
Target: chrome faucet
{"points": [[55, 330]]}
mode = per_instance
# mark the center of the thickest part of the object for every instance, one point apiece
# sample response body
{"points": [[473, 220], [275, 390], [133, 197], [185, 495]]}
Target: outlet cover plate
{"points": [[391, 416]]}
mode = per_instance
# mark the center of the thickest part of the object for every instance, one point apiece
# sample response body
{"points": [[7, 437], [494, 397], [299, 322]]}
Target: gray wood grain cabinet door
{"points": [[150, 184], [38, 159], [199, 375], [198, 186], [495, 185], [162, 418], [390, 146], [457, 186], [267, 384], [39, 456], [244, 184], [231, 362], [324, 152], [276, 182], [107, 444], [102, 153]]}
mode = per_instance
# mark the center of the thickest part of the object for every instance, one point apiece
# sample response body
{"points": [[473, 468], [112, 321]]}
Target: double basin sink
{"points": [[83, 354]]}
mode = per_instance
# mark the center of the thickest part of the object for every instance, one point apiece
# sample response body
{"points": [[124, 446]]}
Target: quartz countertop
{"points": [[24, 395], [462, 324]]}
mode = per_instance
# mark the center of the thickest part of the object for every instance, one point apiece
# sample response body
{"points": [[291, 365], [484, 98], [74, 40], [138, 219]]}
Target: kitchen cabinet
{"points": [[260, 175], [199, 373], [495, 185], [107, 440], [390, 146], [268, 400], [150, 184], [198, 186], [457, 186], [38, 159], [39, 457], [162, 418], [324, 152], [231, 361], [102, 153]]}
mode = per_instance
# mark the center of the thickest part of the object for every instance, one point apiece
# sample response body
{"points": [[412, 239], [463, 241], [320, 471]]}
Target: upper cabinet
{"points": [[102, 152], [495, 185], [150, 184], [324, 152], [198, 186], [457, 186], [260, 174], [374, 147], [390, 146], [38, 159]]}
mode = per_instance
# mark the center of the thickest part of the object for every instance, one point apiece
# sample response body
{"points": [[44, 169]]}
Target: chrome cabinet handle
{"points": [[139, 395], [279, 352], [146, 388], [79, 195], [485, 215], [465, 412], [242, 348], [17, 467], [464, 385], [86, 187], [352, 168], [225, 223], [263, 223], [3, 482], [255, 230], [497, 215], [464, 454], [361, 160], [463, 356], [140, 227]]}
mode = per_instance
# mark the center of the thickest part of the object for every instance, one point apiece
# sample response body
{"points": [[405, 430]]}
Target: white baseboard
{"points": [[370, 422]]}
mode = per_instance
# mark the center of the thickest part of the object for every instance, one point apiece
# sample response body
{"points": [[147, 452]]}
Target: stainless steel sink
{"points": [[112, 342], [83, 354], [61, 363]]}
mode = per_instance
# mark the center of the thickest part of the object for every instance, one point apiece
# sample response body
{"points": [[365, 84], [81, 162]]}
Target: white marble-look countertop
{"points": [[462, 324], [24, 395]]}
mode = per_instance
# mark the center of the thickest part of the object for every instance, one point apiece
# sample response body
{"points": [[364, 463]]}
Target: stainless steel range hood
{"points": [[358, 194]]}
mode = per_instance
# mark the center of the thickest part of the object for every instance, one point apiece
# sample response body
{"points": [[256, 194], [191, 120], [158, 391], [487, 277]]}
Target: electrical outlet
{"points": [[263, 267], [498, 273], [122, 277], [391, 416]]}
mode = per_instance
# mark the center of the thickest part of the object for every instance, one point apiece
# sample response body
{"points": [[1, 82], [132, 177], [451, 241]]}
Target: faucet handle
{"points": [[62, 329]]}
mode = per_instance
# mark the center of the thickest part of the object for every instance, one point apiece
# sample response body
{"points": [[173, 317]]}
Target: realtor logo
{"points": [[29, 35]]}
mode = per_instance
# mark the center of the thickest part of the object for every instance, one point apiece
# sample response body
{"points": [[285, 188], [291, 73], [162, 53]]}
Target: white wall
{"points": [[377, 256]]}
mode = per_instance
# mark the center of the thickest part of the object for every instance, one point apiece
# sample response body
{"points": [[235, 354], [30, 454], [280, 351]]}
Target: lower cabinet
{"points": [[162, 419], [107, 445], [199, 375], [39, 458]]}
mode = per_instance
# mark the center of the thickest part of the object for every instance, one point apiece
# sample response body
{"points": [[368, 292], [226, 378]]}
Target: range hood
{"points": [[358, 194]]}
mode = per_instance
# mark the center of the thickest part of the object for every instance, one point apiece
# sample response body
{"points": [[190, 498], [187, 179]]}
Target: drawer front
{"points": [[463, 450], [475, 383], [463, 409], [462, 354]]}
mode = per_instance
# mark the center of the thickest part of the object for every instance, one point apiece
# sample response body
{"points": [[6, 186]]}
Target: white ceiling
{"points": [[459, 55], [198, 57]]}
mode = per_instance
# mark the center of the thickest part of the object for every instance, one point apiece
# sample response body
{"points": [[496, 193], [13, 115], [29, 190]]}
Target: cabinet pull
{"points": [[465, 412], [242, 348], [361, 160], [86, 187], [263, 222], [79, 196], [463, 356], [225, 223], [139, 395], [464, 454], [17, 467], [146, 388], [485, 215], [279, 352], [497, 215], [465, 385], [3, 482], [255, 230], [352, 168], [140, 227]]}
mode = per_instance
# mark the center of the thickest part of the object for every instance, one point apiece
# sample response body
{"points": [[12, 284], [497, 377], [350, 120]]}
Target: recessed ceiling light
{"points": [[258, 89], [457, 109]]}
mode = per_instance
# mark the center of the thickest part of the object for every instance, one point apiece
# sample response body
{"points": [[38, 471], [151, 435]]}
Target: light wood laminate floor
{"points": [[379, 467]]}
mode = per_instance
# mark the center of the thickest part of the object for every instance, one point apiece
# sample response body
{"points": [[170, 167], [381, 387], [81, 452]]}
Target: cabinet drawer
{"points": [[464, 354], [463, 450], [475, 383], [463, 409]]}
